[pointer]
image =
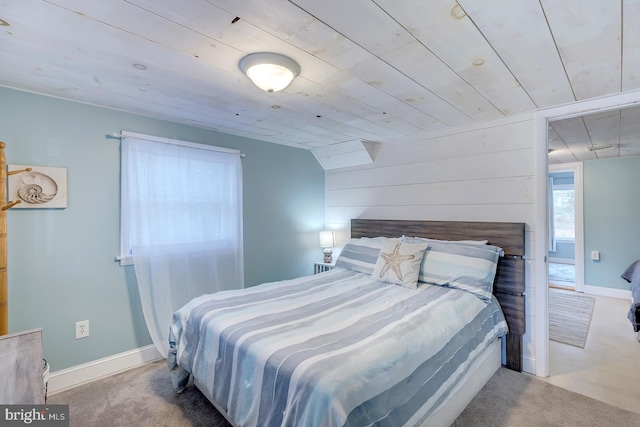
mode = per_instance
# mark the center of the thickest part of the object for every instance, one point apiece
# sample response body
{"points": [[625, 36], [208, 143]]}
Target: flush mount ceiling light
{"points": [[271, 72]]}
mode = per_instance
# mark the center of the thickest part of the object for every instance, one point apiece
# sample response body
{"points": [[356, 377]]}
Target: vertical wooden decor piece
{"points": [[4, 288], [4, 294]]}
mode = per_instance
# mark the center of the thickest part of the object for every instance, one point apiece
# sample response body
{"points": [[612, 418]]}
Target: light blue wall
{"points": [[61, 262], [611, 219], [565, 250]]}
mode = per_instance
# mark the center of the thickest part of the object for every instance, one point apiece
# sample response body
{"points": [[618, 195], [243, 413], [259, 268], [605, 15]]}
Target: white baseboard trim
{"points": [[529, 365], [607, 292], [80, 374]]}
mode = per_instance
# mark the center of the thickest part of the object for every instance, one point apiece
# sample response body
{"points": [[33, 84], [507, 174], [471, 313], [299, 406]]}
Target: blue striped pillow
{"points": [[466, 266], [360, 254]]}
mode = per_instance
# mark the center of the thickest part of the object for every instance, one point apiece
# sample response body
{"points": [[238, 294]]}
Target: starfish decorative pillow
{"points": [[399, 263]]}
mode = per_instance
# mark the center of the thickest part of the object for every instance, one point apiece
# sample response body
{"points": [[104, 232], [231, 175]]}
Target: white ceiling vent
{"points": [[344, 154], [600, 147]]}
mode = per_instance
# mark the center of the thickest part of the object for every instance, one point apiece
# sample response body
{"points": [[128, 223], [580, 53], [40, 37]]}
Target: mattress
{"points": [[333, 349]]}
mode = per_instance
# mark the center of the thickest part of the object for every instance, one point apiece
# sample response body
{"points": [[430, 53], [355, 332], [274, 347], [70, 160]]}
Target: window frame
{"points": [[125, 258], [572, 187]]}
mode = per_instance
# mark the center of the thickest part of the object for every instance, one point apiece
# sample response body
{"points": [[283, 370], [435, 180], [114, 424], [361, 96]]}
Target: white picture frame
{"points": [[37, 187]]}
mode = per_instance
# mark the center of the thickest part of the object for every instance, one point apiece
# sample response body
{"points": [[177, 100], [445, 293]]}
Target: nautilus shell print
{"points": [[37, 187]]}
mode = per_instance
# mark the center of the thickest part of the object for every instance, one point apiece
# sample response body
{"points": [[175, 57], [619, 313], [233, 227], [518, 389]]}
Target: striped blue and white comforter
{"points": [[333, 349]]}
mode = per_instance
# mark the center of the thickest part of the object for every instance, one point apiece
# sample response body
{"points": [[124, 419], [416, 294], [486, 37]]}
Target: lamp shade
{"points": [[326, 239], [271, 72]]}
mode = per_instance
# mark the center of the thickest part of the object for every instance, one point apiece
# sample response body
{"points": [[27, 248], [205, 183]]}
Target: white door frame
{"points": [[578, 188], [540, 247]]}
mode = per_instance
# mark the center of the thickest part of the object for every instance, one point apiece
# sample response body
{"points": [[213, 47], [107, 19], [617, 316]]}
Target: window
{"points": [[178, 193], [564, 212]]}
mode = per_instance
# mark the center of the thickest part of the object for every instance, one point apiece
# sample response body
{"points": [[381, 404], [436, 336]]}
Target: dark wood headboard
{"points": [[509, 284]]}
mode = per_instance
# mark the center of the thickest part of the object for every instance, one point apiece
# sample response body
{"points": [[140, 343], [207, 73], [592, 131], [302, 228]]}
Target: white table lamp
{"points": [[326, 242]]}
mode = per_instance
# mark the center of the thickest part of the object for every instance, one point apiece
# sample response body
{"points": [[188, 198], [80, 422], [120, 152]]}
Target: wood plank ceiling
{"points": [[371, 70]]}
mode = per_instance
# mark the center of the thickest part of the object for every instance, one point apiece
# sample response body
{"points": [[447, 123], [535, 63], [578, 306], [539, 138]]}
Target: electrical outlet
{"points": [[82, 329]]}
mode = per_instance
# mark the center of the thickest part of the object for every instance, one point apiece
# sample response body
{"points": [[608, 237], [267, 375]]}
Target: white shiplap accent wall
{"points": [[482, 172]]}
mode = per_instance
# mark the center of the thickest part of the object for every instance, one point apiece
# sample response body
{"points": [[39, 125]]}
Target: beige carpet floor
{"points": [[511, 399], [144, 396]]}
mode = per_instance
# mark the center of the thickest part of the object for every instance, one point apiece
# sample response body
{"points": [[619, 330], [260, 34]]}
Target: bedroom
{"points": [[447, 181]]}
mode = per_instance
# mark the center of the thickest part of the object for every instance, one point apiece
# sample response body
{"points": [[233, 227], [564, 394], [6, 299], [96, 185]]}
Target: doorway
{"points": [[566, 233], [582, 369], [562, 227], [539, 321]]}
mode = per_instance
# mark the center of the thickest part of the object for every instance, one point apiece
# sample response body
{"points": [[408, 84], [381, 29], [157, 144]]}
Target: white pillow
{"points": [[399, 262]]}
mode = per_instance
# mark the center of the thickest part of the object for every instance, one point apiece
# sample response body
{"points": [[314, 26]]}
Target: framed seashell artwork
{"points": [[37, 187]]}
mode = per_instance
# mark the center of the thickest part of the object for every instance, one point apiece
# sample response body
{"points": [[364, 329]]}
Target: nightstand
{"points": [[22, 370], [319, 267]]}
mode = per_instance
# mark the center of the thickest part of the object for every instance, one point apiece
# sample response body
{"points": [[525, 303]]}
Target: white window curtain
{"points": [[182, 207]]}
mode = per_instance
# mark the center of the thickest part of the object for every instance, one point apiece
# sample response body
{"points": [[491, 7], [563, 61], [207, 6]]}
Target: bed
{"points": [[632, 275], [347, 348]]}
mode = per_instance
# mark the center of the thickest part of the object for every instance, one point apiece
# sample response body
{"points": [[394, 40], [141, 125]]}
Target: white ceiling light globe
{"points": [[271, 72]]}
